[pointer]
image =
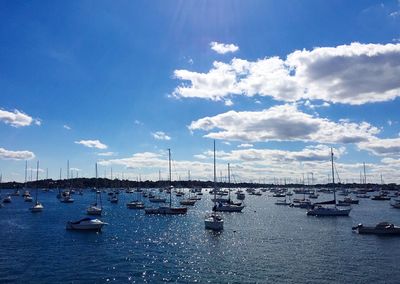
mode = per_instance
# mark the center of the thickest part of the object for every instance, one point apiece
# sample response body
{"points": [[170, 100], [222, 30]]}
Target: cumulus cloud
{"points": [[106, 154], [17, 118], [349, 74], [245, 145], [382, 147], [92, 144], [159, 135], [66, 127], [222, 48], [282, 123], [16, 155]]}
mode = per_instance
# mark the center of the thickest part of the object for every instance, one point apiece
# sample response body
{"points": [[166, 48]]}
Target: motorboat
{"points": [[135, 205], [214, 222], [188, 201], [348, 200], [380, 197], [383, 228], [86, 224], [166, 210], [282, 202], [157, 199]]}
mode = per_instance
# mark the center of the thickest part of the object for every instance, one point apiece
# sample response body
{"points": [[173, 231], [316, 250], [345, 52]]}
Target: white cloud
{"points": [[16, 155], [159, 135], [106, 154], [67, 127], [222, 48], [138, 122], [245, 145], [349, 74], [282, 123], [17, 118], [92, 144], [382, 147]]}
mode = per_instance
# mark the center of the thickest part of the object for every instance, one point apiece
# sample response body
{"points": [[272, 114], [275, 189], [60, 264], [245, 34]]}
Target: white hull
{"points": [[322, 211], [37, 208], [86, 225], [212, 224], [93, 210]]}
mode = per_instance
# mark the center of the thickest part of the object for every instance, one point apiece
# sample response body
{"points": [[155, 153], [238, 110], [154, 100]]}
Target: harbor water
{"points": [[265, 243]]}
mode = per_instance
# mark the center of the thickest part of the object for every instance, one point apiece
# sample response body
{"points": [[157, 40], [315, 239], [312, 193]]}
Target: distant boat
{"points": [[319, 210], [383, 228], [213, 221], [86, 224], [38, 207], [95, 209], [167, 210], [7, 199]]}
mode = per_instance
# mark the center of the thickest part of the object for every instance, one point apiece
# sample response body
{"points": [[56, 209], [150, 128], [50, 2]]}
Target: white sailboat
{"points": [[320, 210], [167, 210], [95, 209], [213, 221], [38, 207]]}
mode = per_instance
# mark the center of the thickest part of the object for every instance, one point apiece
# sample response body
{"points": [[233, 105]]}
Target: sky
{"points": [[276, 84]]}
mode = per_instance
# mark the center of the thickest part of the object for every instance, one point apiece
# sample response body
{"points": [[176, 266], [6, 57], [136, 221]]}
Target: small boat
{"points": [[135, 205], [396, 205], [328, 211], [282, 202], [114, 199], [348, 200], [94, 210], [380, 197], [383, 228], [86, 224], [67, 199], [165, 210], [319, 210], [38, 207], [7, 199], [189, 202], [15, 193], [28, 198], [157, 199], [214, 221]]}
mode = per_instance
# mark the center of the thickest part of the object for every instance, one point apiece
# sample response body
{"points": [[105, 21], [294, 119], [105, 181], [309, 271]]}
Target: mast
{"points": [[333, 178], [26, 172], [365, 176], [215, 178], [170, 177], [229, 182], [37, 178]]}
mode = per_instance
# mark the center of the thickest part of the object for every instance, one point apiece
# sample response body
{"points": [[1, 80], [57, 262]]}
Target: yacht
{"points": [[135, 205], [86, 224], [383, 228]]}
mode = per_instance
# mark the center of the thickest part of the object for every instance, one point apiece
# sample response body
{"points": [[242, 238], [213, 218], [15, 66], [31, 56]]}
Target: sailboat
{"points": [[320, 210], [214, 221], [167, 210], [228, 205], [94, 209], [136, 204], [38, 207]]}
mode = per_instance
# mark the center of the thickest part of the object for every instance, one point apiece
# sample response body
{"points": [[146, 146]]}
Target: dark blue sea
{"points": [[265, 243]]}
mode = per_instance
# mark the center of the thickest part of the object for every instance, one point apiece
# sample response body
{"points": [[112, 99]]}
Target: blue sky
{"points": [[276, 83]]}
